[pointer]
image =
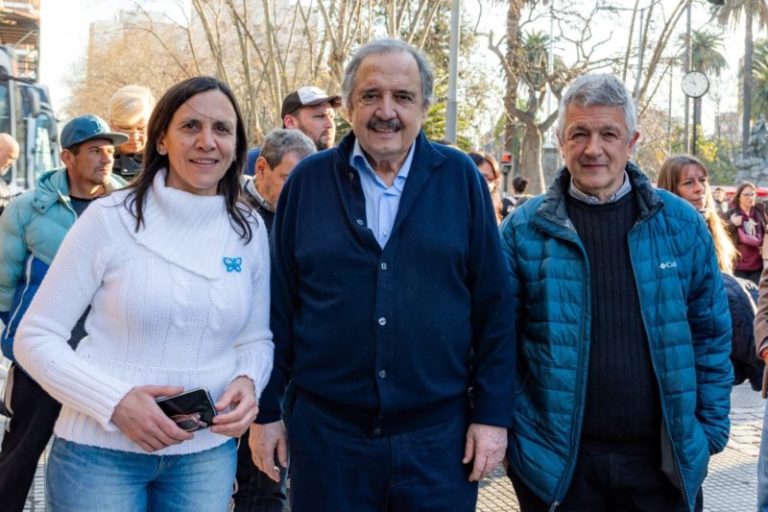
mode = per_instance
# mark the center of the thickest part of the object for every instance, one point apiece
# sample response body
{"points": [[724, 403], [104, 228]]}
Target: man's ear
{"points": [[260, 166], [290, 122], [67, 157]]}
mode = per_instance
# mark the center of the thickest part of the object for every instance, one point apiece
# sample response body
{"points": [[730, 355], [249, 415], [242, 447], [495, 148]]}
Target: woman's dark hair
{"points": [[479, 158], [519, 184], [229, 185], [739, 190]]}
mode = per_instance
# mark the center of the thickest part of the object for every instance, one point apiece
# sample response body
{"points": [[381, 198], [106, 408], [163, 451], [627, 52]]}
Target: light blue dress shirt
{"points": [[381, 202]]}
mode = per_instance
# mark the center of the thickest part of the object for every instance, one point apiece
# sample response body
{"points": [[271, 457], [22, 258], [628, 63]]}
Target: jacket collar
{"points": [[53, 187], [251, 190], [552, 209], [426, 158]]}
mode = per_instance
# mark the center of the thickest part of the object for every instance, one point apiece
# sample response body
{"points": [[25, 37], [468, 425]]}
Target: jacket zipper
{"points": [[577, 411], [656, 376]]}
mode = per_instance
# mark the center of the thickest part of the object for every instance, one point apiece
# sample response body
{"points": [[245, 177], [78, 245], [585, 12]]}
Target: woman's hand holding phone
{"points": [[141, 420], [240, 396]]}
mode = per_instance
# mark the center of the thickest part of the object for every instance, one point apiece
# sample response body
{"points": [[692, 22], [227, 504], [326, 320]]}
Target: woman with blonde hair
{"points": [[686, 176], [129, 111]]}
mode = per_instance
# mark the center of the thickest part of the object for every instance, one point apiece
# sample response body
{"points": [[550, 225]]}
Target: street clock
{"points": [[695, 84]]}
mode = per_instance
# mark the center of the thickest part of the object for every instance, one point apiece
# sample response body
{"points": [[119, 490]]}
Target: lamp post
{"points": [[451, 109], [686, 70]]}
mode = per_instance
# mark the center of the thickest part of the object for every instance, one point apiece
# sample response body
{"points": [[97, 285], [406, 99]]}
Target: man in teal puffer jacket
{"points": [[624, 328], [31, 230]]}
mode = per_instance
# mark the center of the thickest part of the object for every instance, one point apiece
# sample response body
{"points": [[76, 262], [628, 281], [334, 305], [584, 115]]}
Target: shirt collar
{"points": [[624, 189], [360, 162]]}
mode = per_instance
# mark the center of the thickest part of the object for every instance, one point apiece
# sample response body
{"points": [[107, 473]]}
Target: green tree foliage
{"points": [[760, 79], [716, 155], [731, 13], [437, 47], [706, 52]]}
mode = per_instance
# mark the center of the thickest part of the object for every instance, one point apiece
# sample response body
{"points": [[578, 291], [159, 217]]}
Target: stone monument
{"points": [[754, 168]]}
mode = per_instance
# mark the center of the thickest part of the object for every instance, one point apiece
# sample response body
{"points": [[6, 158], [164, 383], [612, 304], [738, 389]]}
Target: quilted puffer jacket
{"points": [[31, 230], [686, 318]]}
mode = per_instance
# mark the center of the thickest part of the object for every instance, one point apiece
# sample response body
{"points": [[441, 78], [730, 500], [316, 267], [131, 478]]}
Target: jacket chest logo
{"points": [[668, 264]]}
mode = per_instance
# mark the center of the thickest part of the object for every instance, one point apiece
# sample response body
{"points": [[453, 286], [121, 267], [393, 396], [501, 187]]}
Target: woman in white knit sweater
{"points": [[176, 272]]}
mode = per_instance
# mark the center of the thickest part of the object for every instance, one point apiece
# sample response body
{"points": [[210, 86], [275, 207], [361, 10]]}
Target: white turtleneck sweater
{"points": [[182, 302]]}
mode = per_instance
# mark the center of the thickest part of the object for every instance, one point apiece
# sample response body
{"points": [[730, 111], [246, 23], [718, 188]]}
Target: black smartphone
{"points": [[191, 410]]}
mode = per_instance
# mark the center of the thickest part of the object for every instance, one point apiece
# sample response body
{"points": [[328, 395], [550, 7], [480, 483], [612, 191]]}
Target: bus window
{"points": [[22, 179], [5, 110], [43, 152]]}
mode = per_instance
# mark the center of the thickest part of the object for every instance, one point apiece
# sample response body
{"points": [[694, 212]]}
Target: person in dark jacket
{"points": [[720, 203], [387, 305], [281, 151], [625, 380], [519, 185], [743, 295], [129, 111]]}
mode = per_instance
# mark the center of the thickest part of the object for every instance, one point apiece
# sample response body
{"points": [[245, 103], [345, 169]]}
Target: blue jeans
{"points": [[82, 477]]}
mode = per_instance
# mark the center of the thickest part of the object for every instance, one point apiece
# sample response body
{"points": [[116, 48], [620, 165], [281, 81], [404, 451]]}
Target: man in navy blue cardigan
{"points": [[389, 300]]}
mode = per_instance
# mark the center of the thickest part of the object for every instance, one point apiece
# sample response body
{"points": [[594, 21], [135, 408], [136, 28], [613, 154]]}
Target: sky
{"points": [[65, 25], [64, 36]]}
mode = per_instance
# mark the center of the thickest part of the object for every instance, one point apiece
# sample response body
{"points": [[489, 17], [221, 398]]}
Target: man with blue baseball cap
{"points": [[31, 230]]}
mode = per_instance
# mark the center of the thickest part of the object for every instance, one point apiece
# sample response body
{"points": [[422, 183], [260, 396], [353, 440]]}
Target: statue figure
{"points": [[758, 140]]}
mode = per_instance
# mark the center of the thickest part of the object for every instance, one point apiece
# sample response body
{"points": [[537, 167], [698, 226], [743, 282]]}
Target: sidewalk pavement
{"points": [[730, 486]]}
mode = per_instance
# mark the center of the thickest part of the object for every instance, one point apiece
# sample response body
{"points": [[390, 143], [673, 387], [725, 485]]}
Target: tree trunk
{"points": [[510, 95], [748, 49], [530, 159]]}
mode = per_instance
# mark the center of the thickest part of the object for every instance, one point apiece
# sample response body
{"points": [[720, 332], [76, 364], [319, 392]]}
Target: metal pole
{"points": [[693, 130], [669, 109], [687, 143], [550, 55], [451, 110], [549, 137], [640, 52]]}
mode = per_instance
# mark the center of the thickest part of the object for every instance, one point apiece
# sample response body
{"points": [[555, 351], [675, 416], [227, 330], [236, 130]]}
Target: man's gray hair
{"points": [[280, 142], [380, 46], [602, 90]]}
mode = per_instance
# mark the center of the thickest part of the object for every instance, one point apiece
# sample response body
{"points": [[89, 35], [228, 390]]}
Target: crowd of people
{"points": [[375, 320]]}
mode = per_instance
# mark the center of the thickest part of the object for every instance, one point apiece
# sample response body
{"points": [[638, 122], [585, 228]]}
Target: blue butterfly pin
{"points": [[233, 264]]}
